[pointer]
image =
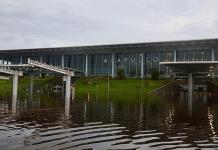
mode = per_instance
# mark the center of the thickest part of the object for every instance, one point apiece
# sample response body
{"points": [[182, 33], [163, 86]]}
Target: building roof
{"points": [[148, 45]]}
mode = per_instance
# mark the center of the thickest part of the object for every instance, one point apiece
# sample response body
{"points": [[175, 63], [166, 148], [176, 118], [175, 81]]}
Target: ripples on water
{"points": [[148, 123]]}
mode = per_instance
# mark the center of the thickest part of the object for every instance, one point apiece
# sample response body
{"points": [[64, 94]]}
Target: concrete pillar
{"points": [[86, 69], [113, 65], [21, 60], [212, 53], [62, 60], [174, 55], [14, 94], [142, 64], [67, 94]]}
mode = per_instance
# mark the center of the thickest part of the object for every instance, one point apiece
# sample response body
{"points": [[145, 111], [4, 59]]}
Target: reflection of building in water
{"points": [[211, 121], [136, 59]]}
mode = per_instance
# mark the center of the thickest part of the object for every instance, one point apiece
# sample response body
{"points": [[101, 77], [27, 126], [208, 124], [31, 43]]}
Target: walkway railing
{"points": [[51, 68], [11, 72]]}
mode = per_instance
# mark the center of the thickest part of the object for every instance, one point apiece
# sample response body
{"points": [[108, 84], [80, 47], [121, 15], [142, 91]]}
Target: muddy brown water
{"points": [[104, 122]]}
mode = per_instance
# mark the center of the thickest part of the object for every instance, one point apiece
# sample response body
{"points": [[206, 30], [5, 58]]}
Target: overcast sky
{"points": [[49, 23]]}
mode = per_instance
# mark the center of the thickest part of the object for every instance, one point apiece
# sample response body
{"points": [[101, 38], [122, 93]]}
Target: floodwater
{"points": [[104, 121]]}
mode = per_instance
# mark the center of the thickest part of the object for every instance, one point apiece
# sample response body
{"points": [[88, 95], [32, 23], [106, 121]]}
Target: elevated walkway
{"points": [[50, 68], [10, 72], [66, 72]]}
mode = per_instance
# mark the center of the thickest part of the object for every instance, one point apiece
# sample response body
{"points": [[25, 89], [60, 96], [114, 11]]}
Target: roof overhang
{"points": [[191, 66]]}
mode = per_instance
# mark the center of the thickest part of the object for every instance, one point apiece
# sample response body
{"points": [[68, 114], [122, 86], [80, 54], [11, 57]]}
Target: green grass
{"points": [[124, 90], [128, 85], [130, 90], [24, 83]]}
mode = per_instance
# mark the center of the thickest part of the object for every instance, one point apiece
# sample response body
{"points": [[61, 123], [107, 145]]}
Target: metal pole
{"points": [[142, 64], [14, 93]]}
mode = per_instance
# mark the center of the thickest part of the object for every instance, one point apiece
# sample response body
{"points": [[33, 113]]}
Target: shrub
{"points": [[120, 73], [154, 74]]}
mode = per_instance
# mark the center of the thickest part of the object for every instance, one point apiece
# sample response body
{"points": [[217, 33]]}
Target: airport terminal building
{"points": [[136, 59]]}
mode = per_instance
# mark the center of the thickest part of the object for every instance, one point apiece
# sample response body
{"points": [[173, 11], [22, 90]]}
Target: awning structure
{"points": [[185, 67]]}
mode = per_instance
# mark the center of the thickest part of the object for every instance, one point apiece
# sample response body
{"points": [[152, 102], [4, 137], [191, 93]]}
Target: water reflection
{"points": [[102, 121]]}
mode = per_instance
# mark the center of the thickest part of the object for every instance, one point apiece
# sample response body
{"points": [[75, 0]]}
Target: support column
{"points": [[212, 53], [62, 60], [142, 64], [14, 93], [67, 94], [174, 55], [86, 69], [21, 60], [112, 65]]}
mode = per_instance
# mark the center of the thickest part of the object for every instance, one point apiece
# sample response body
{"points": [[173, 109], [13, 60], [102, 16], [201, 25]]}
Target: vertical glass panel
{"points": [[155, 60], [139, 59], [207, 55], [98, 64], [216, 54], [67, 60], [81, 62], [133, 65], [118, 61], [46, 59], [15, 60], [180, 56], [189, 55], [198, 55], [106, 64], [148, 61], [170, 55], [163, 56], [126, 64]]}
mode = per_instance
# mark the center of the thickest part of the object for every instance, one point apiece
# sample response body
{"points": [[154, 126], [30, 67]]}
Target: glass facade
{"points": [[130, 62], [101, 64], [194, 55]]}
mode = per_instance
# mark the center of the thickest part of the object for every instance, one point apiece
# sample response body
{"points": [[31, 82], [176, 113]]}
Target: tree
{"points": [[154, 74], [120, 73]]}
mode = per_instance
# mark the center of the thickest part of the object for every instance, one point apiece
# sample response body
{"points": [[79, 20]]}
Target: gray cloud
{"points": [[44, 23]]}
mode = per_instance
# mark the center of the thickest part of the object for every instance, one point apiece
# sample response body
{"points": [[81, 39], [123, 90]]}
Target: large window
{"points": [[130, 62], [99, 64]]}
